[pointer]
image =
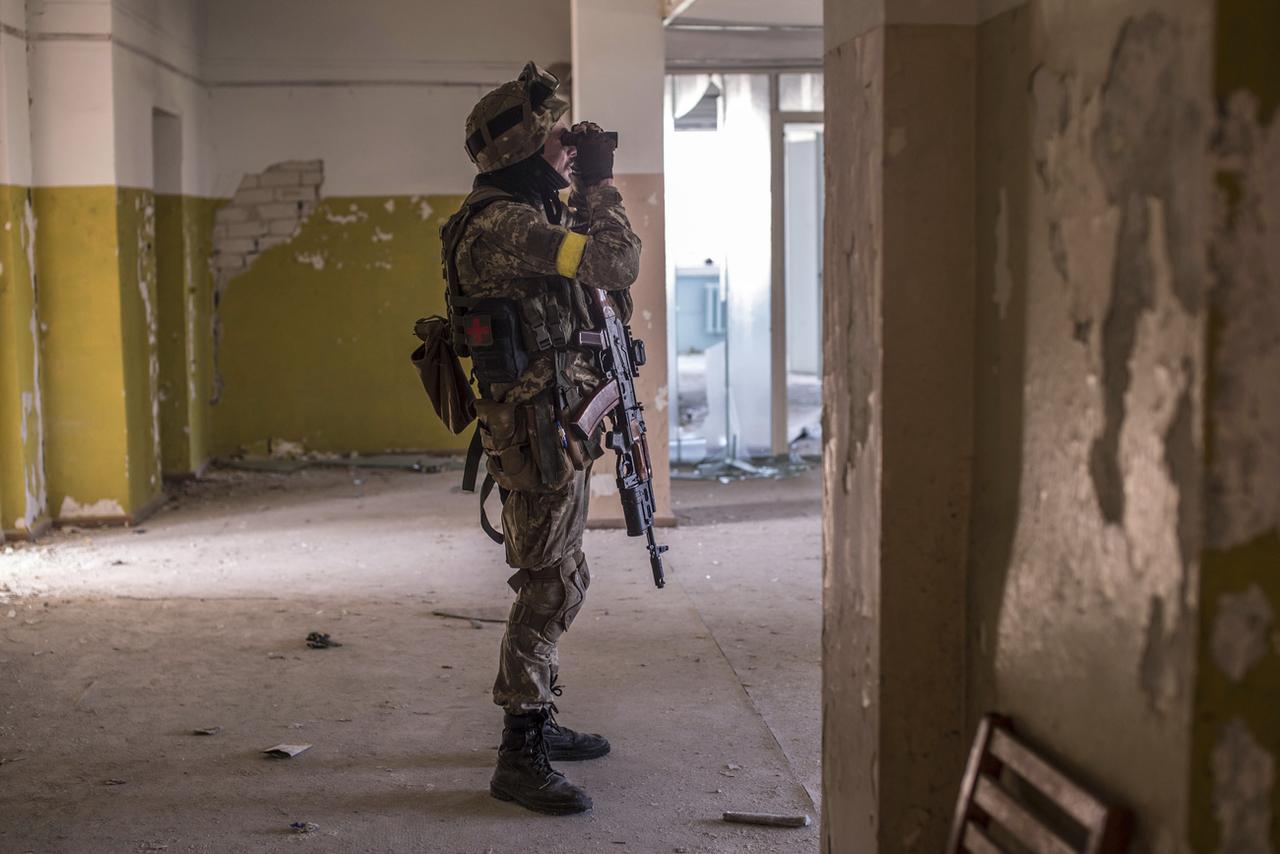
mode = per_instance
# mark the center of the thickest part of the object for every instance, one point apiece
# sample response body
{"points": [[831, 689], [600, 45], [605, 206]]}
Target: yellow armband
{"points": [[569, 258]]}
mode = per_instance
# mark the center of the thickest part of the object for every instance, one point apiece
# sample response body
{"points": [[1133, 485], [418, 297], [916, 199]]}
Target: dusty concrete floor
{"points": [[115, 645]]}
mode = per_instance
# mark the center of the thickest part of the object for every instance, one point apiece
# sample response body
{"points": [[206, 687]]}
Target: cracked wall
{"points": [[312, 347], [1094, 124]]}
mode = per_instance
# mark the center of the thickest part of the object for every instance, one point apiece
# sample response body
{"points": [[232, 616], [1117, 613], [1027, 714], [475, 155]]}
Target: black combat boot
{"points": [[524, 773], [566, 745]]}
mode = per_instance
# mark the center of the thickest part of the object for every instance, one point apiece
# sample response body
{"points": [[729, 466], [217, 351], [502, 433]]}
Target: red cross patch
{"points": [[479, 330]]}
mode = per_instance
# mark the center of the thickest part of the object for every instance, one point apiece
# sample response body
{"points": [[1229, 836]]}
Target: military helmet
{"points": [[513, 122]]}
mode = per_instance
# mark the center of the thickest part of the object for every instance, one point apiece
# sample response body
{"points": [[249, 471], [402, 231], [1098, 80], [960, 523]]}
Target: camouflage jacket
{"points": [[510, 250]]}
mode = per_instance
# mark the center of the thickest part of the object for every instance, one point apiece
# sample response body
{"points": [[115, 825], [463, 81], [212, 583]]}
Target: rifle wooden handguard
{"points": [[593, 410]]}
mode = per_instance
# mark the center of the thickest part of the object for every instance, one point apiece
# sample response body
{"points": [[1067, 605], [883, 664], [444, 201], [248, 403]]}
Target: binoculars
{"points": [[570, 138]]}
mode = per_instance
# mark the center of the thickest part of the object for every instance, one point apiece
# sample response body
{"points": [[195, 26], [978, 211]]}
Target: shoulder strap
{"points": [[451, 232]]}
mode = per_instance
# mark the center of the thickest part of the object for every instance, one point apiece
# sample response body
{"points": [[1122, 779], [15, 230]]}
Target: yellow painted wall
{"points": [[135, 232], [316, 334], [184, 301], [94, 285], [22, 478]]}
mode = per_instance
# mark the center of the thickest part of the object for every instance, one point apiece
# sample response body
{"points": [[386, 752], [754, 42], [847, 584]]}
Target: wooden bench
{"points": [[1011, 800]]}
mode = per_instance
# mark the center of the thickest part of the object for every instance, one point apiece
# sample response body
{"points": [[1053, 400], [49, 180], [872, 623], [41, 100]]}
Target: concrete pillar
{"points": [[96, 264], [23, 505], [618, 73], [898, 331]]}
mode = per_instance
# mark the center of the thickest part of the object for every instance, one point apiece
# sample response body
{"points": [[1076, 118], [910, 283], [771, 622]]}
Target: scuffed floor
{"points": [[120, 643]]}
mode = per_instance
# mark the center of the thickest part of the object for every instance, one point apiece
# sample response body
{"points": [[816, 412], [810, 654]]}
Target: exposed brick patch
{"points": [[267, 210], [266, 207]]}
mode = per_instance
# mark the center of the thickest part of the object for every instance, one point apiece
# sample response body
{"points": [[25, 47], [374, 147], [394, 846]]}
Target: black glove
{"points": [[592, 161]]}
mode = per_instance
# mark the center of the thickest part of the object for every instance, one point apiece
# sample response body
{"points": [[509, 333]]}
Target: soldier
{"points": [[515, 255]]}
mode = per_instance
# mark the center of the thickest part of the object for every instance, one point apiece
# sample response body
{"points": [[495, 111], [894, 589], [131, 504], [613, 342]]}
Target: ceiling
{"points": [[735, 34], [806, 13]]}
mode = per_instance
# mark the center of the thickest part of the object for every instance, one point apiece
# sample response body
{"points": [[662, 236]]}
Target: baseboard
{"points": [[40, 527]]}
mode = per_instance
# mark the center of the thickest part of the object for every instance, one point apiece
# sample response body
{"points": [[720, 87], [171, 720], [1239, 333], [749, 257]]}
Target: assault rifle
{"points": [[619, 358]]}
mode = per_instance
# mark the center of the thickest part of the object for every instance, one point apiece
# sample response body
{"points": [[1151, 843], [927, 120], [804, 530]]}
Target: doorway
{"points": [[744, 212]]}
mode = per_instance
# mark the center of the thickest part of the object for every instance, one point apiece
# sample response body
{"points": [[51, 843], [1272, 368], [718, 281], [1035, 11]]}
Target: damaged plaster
{"points": [[1241, 631], [267, 210], [1243, 780], [1244, 479], [104, 508], [35, 487], [145, 275], [1147, 105]]}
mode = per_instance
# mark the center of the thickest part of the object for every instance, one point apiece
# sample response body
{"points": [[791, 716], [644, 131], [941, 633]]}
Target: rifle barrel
{"points": [[655, 561]]}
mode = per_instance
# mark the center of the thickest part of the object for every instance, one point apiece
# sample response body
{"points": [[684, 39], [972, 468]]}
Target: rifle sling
{"points": [[487, 488], [470, 469]]}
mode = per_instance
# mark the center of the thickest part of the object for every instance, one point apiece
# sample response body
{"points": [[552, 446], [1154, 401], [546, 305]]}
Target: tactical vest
{"points": [[501, 334]]}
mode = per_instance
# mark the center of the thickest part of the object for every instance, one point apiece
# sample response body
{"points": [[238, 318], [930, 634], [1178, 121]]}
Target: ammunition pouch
{"points": [[442, 376], [525, 446]]}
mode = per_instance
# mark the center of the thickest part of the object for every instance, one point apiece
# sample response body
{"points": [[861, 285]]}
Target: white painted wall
{"points": [[379, 91], [72, 126], [59, 17], [621, 42], [381, 40], [156, 65], [15, 123], [373, 140], [97, 69], [168, 30], [141, 85]]}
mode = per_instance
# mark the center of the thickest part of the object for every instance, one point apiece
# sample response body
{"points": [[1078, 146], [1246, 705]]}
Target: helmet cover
{"points": [[512, 122]]}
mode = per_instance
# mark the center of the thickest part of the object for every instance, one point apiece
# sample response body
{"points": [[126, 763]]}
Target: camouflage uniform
{"points": [[511, 250]]}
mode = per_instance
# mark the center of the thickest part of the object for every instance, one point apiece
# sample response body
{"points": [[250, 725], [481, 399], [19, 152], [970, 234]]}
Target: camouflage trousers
{"points": [[543, 532]]}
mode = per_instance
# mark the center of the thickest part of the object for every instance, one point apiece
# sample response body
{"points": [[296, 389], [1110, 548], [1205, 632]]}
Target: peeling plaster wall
{"points": [[852, 443], [98, 71], [1094, 123], [319, 278], [897, 432], [23, 498], [87, 399], [1235, 797], [184, 294], [23, 489], [312, 345]]}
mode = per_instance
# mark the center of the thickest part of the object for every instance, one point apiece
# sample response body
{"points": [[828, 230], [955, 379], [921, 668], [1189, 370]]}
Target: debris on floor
{"points": [[112, 781], [289, 463], [304, 826], [319, 640], [480, 615], [286, 751], [768, 819], [207, 730]]}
